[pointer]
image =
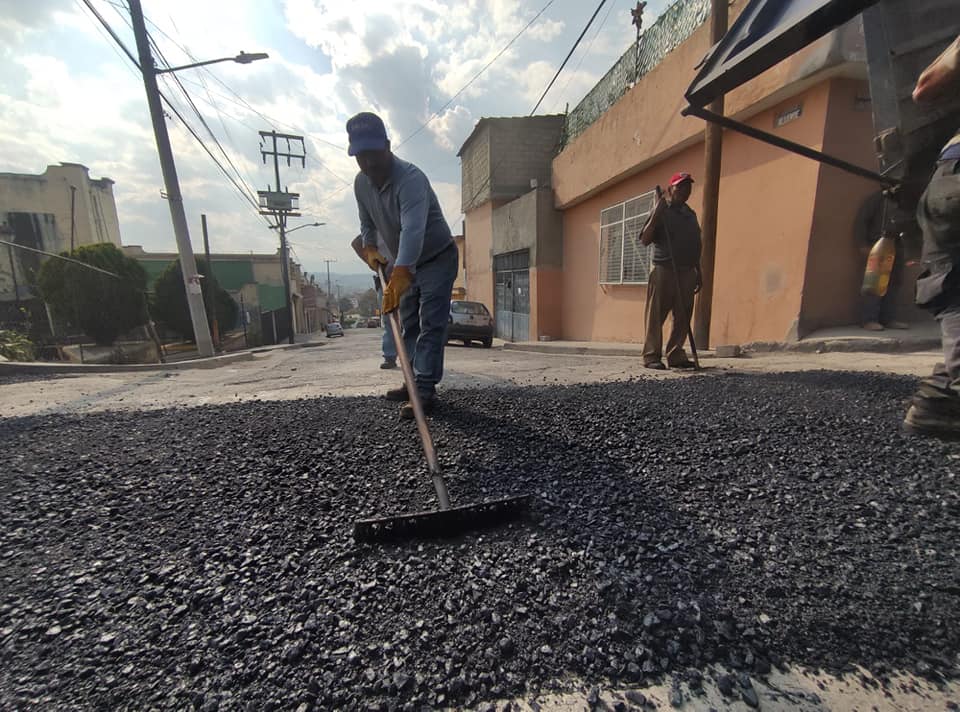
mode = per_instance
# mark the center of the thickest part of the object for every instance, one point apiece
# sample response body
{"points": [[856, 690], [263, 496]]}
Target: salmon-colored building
{"points": [[786, 263]]}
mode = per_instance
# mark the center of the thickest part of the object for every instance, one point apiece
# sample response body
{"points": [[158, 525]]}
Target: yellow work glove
{"points": [[400, 282], [371, 255]]}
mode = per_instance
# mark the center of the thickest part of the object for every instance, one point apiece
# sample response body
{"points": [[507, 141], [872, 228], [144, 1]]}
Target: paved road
{"points": [[348, 366]]}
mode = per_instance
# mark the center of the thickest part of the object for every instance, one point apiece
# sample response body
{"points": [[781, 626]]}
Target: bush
{"points": [[170, 306], [102, 306], [15, 346]]}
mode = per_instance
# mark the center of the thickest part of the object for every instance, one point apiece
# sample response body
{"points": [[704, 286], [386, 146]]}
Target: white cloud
{"points": [[67, 94]]}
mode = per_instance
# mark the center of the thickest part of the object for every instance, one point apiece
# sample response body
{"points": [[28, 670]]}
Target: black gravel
{"points": [[201, 558]]}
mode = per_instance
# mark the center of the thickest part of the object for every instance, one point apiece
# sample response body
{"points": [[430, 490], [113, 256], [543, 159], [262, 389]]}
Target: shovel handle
{"points": [[411, 383]]}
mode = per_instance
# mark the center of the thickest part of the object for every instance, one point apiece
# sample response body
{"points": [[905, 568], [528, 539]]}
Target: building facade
{"points": [[255, 282], [60, 209], [786, 263], [512, 232]]}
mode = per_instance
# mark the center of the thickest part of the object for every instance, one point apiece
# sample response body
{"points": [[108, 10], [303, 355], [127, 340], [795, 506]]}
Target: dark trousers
{"points": [[663, 299]]}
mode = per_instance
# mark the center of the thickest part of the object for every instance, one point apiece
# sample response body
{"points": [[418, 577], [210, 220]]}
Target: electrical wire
{"points": [[569, 54], [203, 121], [477, 75], [244, 194], [460, 91], [272, 122], [486, 182], [586, 53]]}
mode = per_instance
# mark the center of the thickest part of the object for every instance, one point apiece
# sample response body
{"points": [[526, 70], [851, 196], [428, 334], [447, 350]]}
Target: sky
{"points": [[68, 93]]}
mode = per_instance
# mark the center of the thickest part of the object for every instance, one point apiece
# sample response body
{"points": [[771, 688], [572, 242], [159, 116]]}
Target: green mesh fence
{"points": [[670, 30]]}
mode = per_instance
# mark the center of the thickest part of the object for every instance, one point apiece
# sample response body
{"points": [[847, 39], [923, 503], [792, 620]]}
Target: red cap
{"points": [[678, 178]]}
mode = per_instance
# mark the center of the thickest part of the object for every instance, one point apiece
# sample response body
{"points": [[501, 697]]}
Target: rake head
{"points": [[441, 523]]}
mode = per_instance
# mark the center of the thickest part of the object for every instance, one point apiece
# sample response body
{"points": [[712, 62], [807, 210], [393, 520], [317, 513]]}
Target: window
{"points": [[468, 308], [623, 260]]}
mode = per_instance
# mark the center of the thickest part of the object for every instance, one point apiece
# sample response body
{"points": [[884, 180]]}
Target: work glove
{"points": [[400, 282], [371, 255]]}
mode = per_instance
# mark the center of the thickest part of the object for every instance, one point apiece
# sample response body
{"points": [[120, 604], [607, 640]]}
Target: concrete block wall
{"points": [[475, 170], [522, 149]]}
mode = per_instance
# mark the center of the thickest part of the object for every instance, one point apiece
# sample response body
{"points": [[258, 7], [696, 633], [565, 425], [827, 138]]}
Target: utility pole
{"points": [[73, 213], [329, 293], [712, 148], [210, 299], [282, 204], [188, 265]]}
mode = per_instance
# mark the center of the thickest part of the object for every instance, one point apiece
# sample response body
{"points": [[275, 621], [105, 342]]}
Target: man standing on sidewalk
{"points": [[672, 226], [396, 201], [935, 409]]}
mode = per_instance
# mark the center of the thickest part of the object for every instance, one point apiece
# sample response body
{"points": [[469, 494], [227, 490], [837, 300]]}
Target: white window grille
{"points": [[623, 260]]}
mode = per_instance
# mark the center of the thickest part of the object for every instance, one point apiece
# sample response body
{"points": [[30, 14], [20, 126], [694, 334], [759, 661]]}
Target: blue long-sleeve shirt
{"points": [[406, 214]]}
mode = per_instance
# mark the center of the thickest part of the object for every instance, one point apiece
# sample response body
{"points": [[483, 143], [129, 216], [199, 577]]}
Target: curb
{"points": [[42, 367], [37, 367], [865, 345], [816, 346], [585, 350]]}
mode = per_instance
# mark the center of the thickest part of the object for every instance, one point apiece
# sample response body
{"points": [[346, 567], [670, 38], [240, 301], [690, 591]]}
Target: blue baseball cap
{"points": [[367, 133]]}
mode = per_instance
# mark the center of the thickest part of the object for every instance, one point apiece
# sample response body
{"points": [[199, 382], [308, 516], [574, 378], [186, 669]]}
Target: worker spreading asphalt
{"points": [[202, 557]]}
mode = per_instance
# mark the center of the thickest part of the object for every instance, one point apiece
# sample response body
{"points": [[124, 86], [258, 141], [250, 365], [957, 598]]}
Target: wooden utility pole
{"points": [[211, 297], [282, 204], [713, 147], [188, 265]]}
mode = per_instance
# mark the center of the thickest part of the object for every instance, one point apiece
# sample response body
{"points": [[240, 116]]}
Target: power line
{"points": [[170, 105], [458, 93], [569, 54], [489, 177], [586, 53], [477, 75]]}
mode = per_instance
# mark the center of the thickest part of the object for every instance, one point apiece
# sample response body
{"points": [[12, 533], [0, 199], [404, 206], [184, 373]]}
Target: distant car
{"points": [[470, 321], [373, 323], [334, 329]]}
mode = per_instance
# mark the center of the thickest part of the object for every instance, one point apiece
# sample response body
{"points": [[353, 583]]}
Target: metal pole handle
{"points": [[411, 383]]}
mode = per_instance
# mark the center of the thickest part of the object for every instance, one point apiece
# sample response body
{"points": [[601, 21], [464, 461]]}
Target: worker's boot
{"points": [[397, 394], [934, 412], [429, 404]]}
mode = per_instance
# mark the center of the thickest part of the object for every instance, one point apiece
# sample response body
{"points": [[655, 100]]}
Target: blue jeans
{"points": [[387, 346], [425, 313]]}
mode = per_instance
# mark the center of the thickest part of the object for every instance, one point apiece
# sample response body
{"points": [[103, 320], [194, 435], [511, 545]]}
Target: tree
{"points": [[368, 302], [102, 306], [170, 306]]}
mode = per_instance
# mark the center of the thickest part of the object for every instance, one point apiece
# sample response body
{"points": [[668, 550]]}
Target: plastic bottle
{"points": [[876, 277]]}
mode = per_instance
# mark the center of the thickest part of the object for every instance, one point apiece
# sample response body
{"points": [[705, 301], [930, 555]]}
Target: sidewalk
{"points": [[181, 361], [924, 336]]}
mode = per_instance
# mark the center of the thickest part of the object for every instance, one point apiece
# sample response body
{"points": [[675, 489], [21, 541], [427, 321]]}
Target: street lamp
{"points": [[298, 227], [242, 58], [188, 264]]}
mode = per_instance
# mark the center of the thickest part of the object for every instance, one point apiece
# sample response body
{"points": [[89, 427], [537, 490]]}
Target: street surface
{"points": [[348, 366], [723, 541]]}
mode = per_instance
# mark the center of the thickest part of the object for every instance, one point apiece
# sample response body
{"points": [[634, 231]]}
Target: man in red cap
{"points": [[675, 234]]}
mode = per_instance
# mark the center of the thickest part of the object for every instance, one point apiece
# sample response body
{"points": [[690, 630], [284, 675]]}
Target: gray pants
{"points": [[938, 287]]}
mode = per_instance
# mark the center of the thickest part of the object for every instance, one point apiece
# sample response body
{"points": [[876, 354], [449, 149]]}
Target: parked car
{"points": [[373, 323], [334, 329], [470, 321]]}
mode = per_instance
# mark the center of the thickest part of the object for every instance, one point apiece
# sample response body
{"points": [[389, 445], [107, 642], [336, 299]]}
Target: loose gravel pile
{"points": [[201, 558]]}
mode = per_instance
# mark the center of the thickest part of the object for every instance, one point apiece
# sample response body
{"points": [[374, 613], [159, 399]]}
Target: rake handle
{"points": [[411, 383]]}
